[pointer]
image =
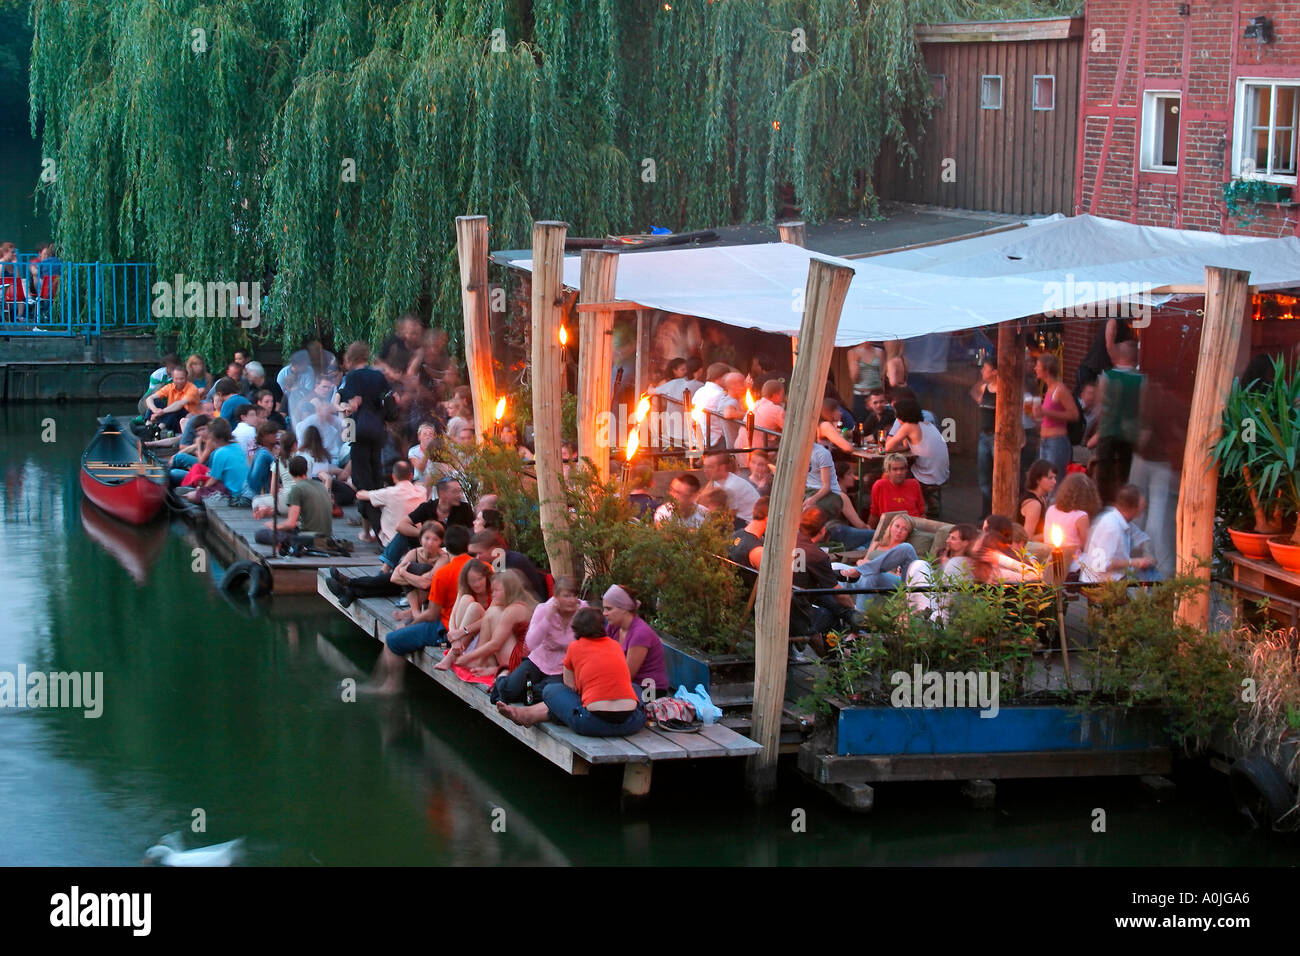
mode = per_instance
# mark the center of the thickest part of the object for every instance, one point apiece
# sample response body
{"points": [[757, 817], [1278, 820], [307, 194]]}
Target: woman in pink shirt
{"points": [[549, 635], [1077, 503]]}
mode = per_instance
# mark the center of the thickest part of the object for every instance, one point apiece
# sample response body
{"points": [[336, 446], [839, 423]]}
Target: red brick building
{"points": [[1177, 101]]}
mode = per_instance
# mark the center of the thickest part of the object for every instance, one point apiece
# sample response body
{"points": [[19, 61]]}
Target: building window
{"points": [[1160, 115], [1266, 129], [991, 93], [1044, 92], [938, 87]]}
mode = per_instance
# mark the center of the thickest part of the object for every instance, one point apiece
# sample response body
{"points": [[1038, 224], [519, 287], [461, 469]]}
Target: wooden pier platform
{"points": [[571, 752], [236, 528]]}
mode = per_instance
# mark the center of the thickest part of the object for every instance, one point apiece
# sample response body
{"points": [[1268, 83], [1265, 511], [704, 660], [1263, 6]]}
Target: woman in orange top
{"points": [[503, 627], [597, 698]]}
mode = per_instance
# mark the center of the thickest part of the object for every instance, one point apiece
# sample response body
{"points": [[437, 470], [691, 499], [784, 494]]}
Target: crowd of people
{"points": [[25, 290]]}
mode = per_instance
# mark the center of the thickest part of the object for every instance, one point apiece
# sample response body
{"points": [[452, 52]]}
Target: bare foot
{"points": [[520, 715], [447, 660], [402, 614]]}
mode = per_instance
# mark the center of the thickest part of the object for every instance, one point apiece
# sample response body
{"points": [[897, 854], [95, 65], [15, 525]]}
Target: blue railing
{"points": [[83, 298]]}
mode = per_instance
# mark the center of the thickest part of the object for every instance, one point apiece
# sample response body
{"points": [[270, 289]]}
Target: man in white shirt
{"points": [[682, 506], [245, 432], [326, 420], [396, 502], [1109, 555], [708, 395], [741, 495]]}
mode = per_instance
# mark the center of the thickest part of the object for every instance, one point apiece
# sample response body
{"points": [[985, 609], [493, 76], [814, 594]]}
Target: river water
{"points": [[220, 723]]}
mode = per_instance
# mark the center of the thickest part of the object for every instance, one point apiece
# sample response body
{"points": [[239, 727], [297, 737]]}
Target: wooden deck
{"points": [[570, 751], [237, 527]]}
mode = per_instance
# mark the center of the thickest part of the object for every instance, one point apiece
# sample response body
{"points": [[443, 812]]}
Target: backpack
{"points": [[388, 405], [1075, 430]]}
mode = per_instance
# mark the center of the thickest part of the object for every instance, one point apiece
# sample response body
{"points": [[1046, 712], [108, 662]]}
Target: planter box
{"points": [[916, 730], [690, 667]]}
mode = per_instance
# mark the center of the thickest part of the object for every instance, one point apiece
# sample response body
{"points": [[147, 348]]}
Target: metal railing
{"points": [[81, 298]]}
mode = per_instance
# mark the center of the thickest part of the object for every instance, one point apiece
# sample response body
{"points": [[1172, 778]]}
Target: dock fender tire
{"points": [[1260, 791], [247, 577]]}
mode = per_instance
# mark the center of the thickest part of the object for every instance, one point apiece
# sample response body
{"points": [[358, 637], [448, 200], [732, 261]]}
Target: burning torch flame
{"points": [[633, 443], [749, 400], [697, 411], [564, 336], [642, 410], [501, 408], [1057, 536]]}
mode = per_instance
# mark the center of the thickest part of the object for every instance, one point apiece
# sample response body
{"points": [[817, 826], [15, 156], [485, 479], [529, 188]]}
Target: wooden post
{"points": [[596, 359], [827, 287], [472, 247], [1009, 429], [792, 232], [642, 356], [548, 387], [1225, 306]]}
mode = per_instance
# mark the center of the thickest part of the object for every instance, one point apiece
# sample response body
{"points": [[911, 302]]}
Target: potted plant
{"points": [[1261, 432], [1239, 194]]}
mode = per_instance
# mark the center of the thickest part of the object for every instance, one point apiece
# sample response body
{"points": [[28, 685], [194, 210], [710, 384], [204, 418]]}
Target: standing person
{"points": [[362, 391], [984, 393], [729, 411], [1120, 397], [1104, 353], [1054, 414], [641, 645], [596, 697], [867, 362], [707, 397]]}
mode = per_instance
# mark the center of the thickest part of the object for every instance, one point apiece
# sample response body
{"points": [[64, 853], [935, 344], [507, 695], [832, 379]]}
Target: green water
{"points": [[20, 166], [206, 707]]}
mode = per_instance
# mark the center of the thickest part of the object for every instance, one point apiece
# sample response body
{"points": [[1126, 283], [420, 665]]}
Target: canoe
{"points": [[120, 477]]}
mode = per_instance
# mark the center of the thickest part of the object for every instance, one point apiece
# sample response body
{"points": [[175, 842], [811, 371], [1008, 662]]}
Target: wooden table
{"points": [[1253, 578]]}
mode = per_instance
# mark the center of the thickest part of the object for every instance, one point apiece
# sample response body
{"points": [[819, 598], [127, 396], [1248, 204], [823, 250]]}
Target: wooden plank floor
{"points": [[568, 750]]}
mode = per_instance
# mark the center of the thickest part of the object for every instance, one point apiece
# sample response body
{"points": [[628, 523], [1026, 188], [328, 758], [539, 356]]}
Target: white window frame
{"points": [[1151, 111], [1033, 92], [990, 76], [1243, 144]]}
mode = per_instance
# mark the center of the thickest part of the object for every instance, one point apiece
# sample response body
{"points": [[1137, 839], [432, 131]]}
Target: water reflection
{"points": [[134, 548]]}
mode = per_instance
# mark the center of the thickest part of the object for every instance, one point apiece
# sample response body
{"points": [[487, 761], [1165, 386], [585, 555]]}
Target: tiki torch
{"points": [[749, 416], [497, 416], [633, 442]]}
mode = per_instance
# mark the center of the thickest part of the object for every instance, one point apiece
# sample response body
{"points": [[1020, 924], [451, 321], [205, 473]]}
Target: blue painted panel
{"points": [[685, 669], [915, 730]]}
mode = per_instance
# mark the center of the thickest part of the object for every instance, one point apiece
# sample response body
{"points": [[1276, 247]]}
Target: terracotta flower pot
{"points": [[1287, 555], [1250, 544]]}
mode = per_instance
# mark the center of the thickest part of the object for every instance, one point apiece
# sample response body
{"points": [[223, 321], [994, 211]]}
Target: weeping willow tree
{"points": [[325, 146]]}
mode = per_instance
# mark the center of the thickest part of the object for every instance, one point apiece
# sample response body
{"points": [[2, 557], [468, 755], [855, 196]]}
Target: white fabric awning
{"points": [[1056, 262]]}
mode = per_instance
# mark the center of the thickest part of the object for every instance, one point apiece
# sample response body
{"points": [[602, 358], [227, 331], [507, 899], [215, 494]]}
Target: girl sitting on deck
{"points": [[954, 561], [644, 650], [504, 626], [473, 597], [549, 635], [596, 698]]}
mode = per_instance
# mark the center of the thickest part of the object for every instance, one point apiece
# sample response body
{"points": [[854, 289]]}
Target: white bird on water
{"points": [[167, 853]]}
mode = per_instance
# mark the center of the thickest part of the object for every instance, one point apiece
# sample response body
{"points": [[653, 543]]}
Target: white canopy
{"points": [[1053, 263]]}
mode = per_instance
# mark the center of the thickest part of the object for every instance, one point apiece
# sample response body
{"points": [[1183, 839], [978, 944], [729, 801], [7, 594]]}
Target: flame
{"points": [[633, 443], [749, 400], [1057, 536], [564, 335], [501, 408], [642, 409]]}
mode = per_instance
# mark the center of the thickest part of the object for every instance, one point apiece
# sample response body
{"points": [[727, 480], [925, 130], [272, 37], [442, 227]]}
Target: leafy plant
{"points": [[492, 468], [1242, 197], [1260, 444], [1271, 723]]}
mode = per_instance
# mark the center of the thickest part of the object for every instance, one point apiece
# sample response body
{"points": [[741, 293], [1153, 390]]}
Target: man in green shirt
{"points": [[1120, 397], [310, 505]]}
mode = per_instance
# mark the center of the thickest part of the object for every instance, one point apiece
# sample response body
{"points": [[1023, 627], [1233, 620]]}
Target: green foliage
{"points": [[1271, 721], [492, 468], [685, 591], [225, 156], [1261, 438], [1243, 196]]}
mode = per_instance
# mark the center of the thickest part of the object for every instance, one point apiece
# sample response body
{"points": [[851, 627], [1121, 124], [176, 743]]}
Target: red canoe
{"points": [[120, 477]]}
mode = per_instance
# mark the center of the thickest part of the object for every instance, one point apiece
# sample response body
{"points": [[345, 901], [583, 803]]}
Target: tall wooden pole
{"points": [[1008, 427], [1225, 306], [827, 287], [792, 232], [548, 388], [596, 359], [472, 248], [643, 355]]}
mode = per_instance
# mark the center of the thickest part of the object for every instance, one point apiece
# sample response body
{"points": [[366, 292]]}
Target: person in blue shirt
{"points": [[259, 472], [227, 465]]}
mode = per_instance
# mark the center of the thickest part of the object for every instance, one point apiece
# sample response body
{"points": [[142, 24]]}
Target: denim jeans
{"points": [[392, 554], [565, 706], [852, 538], [513, 688], [984, 468], [1058, 451], [409, 639], [876, 572]]}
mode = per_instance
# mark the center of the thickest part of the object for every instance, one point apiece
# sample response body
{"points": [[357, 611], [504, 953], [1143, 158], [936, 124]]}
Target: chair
{"points": [[44, 300], [15, 292]]}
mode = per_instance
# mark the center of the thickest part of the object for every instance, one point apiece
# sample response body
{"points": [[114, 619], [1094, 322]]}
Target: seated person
{"points": [[912, 433], [1077, 503], [501, 644], [194, 448], [640, 481], [1110, 554], [310, 508], [172, 402], [1039, 485], [509, 437], [996, 557], [227, 465], [747, 546], [596, 697], [262, 466], [816, 614], [713, 502], [682, 504], [549, 635], [244, 433], [760, 472], [413, 576], [741, 495], [489, 547], [473, 599], [265, 400], [953, 561], [896, 490], [886, 561], [325, 419], [396, 501], [644, 649], [849, 529]]}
